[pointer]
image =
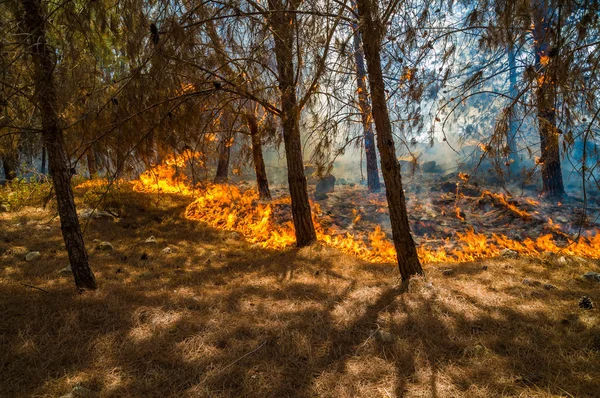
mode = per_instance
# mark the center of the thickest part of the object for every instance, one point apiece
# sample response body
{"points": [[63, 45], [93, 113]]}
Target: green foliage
{"points": [[19, 193]]}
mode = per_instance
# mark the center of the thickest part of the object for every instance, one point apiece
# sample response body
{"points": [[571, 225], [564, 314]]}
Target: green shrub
{"points": [[19, 193]]}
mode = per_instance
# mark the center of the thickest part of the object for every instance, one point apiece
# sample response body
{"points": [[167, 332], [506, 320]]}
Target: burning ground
{"points": [[202, 294]]}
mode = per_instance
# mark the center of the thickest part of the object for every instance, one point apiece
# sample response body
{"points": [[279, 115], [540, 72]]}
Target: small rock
{"points": [[105, 246], [87, 214], [447, 271], [428, 285], [562, 260], [151, 239], [65, 271], [549, 286], [167, 250], [325, 185], [508, 253], [591, 276], [31, 256]]}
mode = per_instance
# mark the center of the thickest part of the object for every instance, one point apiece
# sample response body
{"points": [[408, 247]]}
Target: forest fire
{"points": [[230, 207], [167, 177]]}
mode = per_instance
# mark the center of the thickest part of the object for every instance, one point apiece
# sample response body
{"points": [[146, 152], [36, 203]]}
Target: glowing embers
{"points": [[504, 201]]}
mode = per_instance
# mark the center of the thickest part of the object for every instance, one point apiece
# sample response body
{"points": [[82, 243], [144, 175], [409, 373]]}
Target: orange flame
{"points": [[226, 207], [166, 177]]}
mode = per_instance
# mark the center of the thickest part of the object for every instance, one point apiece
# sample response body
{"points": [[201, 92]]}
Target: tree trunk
{"points": [[365, 113], [545, 67], [53, 139], [262, 183], [43, 166], [283, 35], [91, 163], [408, 260], [513, 122], [223, 161]]}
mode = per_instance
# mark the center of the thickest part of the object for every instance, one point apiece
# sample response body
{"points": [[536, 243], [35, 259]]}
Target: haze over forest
{"points": [[299, 198]]}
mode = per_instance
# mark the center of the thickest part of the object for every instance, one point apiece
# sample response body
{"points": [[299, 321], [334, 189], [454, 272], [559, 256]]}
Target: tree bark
{"points": [[91, 163], [365, 113], [513, 123], [408, 260], [262, 183], [43, 166], [53, 139], [545, 66], [224, 156], [282, 23]]}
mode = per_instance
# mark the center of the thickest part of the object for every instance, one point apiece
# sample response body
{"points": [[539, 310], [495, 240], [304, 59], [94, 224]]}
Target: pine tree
{"points": [[35, 25], [408, 260]]}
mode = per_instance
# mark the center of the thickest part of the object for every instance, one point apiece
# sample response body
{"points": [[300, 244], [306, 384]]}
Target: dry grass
{"points": [[219, 318]]}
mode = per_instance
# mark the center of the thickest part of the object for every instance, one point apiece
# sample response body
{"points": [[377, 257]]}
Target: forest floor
{"points": [[215, 316]]}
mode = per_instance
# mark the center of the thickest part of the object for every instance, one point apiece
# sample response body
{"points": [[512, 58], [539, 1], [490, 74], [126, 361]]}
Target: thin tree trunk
{"points": [[43, 167], [552, 179], [283, 34], [91, 163], [224, 156], [365, 113], [408, 260], [513, 122], [262, 182], [54, 141]]}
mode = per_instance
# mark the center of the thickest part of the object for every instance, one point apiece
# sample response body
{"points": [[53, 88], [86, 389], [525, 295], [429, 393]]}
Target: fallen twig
{"points": [[34, 287]]}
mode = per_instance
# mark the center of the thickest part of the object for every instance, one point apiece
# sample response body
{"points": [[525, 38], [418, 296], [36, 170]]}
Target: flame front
{"points": [[167, 177], [227, 207]]}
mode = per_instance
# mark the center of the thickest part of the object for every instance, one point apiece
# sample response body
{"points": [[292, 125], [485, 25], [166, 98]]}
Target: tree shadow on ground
{"points": [[297, 323]]}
